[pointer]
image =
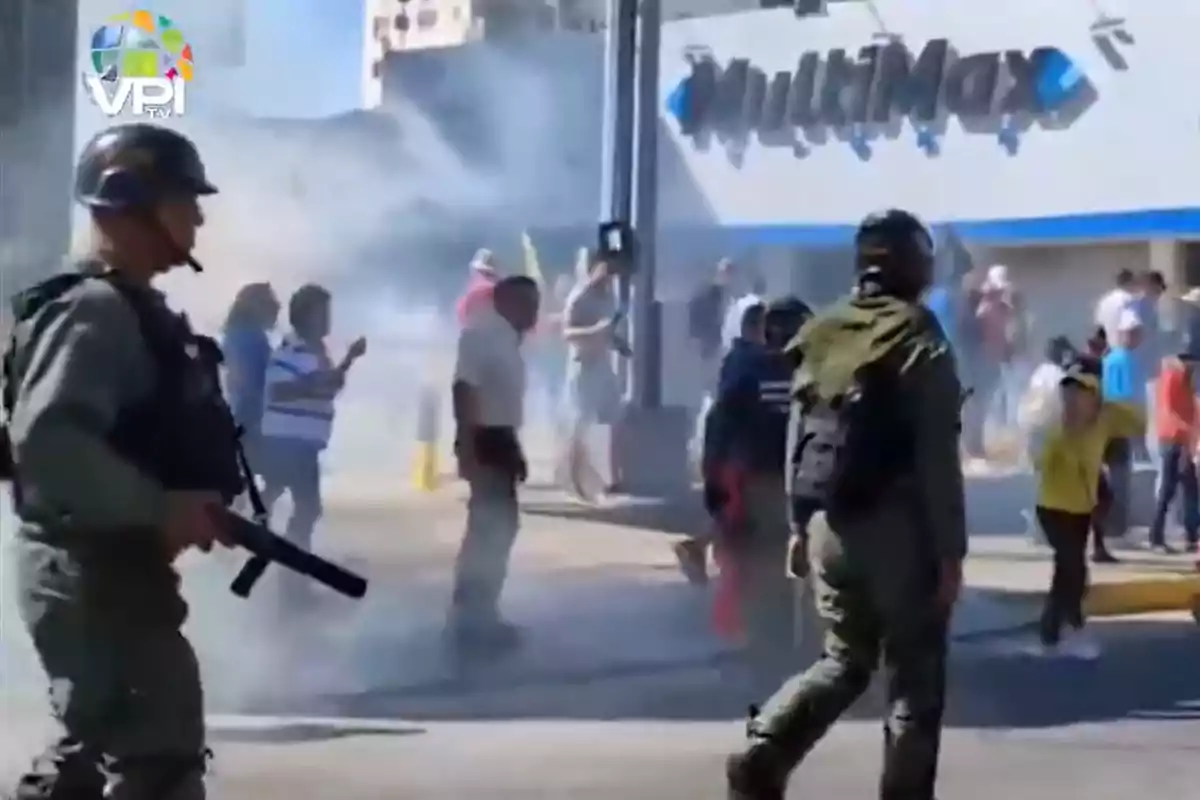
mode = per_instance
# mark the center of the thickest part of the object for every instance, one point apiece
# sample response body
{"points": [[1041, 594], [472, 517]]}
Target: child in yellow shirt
{"points": [[1068, 470]]}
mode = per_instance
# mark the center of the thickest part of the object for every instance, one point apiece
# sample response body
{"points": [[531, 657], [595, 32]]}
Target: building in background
{"points": [[402, 25], [1026, 144], [38, 80]]}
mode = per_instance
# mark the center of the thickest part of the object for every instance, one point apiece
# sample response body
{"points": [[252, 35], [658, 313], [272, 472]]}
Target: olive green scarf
{"points": [[858, 331]]}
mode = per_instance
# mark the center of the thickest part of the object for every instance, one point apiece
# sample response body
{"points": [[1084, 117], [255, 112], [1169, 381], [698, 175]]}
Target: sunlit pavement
{"points": [[362, 700], [1121, 727]]}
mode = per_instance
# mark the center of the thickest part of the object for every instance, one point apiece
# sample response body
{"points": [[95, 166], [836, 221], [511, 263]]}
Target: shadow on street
{"points": [[295, 733]]}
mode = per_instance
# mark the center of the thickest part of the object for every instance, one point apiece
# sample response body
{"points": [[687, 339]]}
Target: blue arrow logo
{"points": [[677, 100], [1058, 80]]}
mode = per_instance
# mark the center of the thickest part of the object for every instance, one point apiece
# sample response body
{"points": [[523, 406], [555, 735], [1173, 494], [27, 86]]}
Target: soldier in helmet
{"points": [[120, 455], [875, 482]]}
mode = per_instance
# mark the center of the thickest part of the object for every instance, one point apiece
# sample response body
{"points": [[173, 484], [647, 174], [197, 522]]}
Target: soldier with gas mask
{"points": [[875, 473], [123, 455]]}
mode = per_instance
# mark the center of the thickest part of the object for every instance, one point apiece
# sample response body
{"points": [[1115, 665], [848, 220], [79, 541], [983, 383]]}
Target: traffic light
{"points": [[616, 246]]}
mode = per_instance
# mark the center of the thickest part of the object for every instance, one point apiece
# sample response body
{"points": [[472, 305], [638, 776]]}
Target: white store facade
{"points": [[1059, 140]]}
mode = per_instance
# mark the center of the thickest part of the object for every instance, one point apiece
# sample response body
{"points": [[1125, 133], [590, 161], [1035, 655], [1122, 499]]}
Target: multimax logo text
{"points": [[857, 100]]}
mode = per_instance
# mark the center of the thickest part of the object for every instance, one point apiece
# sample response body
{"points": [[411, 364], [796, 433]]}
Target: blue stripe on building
{"points": [[1169, 223]]}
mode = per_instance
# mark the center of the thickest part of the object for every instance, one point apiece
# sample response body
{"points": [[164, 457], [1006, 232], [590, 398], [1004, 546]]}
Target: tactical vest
{"points": [[182, 433], [846, 451]]}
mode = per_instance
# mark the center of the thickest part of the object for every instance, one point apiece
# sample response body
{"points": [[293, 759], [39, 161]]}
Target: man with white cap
{"points": [[1122, 381], [480, 285], [998, 323]]}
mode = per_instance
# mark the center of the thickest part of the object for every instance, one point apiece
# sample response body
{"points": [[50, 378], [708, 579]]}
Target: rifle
{"points": [[266, 546]]}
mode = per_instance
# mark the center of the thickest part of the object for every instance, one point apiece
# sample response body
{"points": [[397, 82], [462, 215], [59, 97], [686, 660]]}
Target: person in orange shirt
{"points": [[1177, 423]]}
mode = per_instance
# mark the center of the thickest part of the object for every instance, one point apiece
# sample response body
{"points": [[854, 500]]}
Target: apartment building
{"points": [[400, 25]]}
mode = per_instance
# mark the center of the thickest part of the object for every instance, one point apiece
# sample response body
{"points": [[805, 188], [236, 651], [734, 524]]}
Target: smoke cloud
{"points": [[383, 210]]}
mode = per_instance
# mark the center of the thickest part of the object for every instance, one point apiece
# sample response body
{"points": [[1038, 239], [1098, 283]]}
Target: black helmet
{"points": [[137, 166], [895, 250], [784, 318]]}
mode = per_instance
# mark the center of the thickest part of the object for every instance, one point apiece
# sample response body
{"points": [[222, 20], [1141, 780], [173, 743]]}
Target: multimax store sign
{"points": [[860, 98]]}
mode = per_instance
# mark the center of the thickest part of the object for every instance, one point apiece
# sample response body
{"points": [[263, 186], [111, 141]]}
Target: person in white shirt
{"points": [[489, 400], [300, 388], [1041, 404], [590, 320], [1112, 305]]}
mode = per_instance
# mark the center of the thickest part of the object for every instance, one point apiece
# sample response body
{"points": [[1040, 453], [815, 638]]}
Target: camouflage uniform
{"points": [[108, 411], [877, 573]]}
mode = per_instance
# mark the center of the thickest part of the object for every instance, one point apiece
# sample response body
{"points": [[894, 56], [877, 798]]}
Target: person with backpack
{"points": [[876, 489]]}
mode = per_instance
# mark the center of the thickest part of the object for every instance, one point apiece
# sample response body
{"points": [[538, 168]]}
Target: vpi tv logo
{"points": [[1001, 93], [141, 64]]}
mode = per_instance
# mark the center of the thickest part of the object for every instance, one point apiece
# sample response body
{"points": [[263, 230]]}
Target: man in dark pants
{"points": [[489, 396], [1176, 418], [874, 446]]}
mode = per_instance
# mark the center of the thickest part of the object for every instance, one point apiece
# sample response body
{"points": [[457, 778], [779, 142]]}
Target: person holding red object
{"points": [[744, 444]]}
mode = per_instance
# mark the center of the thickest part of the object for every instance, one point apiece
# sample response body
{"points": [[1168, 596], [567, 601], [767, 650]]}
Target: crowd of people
{"points": [[831, 447]]}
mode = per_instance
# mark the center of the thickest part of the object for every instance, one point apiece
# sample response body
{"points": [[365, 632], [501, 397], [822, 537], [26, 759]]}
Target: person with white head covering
{"points": [[997, 279], [1000, 329], [484, 261], [477, 296]]}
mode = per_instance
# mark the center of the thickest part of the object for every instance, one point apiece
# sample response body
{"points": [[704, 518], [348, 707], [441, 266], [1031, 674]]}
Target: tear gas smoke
{"points": [[361, 207]]}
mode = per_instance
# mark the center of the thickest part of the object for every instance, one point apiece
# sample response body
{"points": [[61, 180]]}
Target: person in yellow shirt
{"points": [[1068, 469]]}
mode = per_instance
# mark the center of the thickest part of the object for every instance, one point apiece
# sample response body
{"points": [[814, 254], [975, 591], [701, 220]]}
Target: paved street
{"points": [[622, 691]]}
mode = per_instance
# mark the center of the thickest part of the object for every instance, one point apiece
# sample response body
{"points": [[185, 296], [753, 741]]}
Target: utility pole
{"points": [[653, 448], [616, 181], [647, 312]]}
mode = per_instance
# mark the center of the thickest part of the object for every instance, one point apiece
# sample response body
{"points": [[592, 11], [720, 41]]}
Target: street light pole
{"points": [[616, 179], [647, 313]]}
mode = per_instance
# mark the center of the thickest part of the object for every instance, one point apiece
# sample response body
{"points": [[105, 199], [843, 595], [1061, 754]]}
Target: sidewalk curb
{"points": [[1124, 597]]}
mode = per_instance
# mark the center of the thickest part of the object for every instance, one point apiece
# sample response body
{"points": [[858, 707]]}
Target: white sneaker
{"points": [[1038, 649], [1080, 644]]}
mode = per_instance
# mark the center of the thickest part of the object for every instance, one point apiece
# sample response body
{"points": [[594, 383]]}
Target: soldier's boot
{"points": [[758, 772], [754, 775]]}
